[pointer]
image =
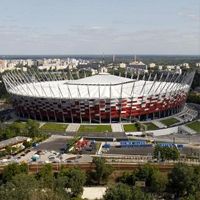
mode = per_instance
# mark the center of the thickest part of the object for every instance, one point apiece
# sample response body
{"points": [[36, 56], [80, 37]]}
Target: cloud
{"points": [[190, 15], [96, 39]]}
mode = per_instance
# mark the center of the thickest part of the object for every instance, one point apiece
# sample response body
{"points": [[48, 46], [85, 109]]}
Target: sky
{"points": [[47, 27]]}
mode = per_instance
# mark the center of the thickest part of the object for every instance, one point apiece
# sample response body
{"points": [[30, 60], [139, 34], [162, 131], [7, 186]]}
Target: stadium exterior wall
{"points": [[99, 110]]}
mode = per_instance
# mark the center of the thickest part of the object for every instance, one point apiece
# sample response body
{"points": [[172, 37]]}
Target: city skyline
{"points": [[99, 27]]}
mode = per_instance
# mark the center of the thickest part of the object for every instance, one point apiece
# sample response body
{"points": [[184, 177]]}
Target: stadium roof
{"points": [[100, 79], [98, 86]]}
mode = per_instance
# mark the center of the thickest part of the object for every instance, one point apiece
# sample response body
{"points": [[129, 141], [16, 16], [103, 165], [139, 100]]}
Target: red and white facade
{"points": [[101, 98]]}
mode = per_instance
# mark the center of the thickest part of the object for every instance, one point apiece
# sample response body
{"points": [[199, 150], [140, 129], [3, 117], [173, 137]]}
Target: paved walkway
{"points": [[117, 127], [179, 119], [159, 124], [187, 129], [72, 127], [159, 132], [41, 124], [92, 193]]}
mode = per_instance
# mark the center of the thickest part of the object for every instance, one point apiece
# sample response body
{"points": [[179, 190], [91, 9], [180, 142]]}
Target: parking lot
{"points": [[54, 143], [48, 151]]}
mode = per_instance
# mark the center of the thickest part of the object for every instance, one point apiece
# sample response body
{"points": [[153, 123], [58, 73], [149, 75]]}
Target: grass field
{"points": [[95, 128], [151, 126], [130, 128], [169, 121], [194, 126], [134, 128], [54, 127], [21, 125]]}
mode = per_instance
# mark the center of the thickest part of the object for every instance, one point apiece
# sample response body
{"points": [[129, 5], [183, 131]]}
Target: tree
{"points": [[155, 181], [102, 170], [181, 180], [193, 97], [45, 176], [27, 144], [145, 173], [9, 172], [25, 186], [195, 196], [166, 153], [73, 179], [122, 191], [8, 149], [23, 168], [139, 195], [196, 178], [17, 128], [158, 182], [13, 169], [32, 128], [6, 133], [118, 192], [128, 178], [20, 187]]}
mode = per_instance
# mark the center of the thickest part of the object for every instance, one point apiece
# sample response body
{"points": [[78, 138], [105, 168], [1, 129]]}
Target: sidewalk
{"points": [[117, 128], [72, 128]]}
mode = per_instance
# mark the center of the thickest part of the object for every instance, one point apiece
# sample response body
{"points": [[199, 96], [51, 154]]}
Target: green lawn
{"points": [[50, 126], [95, 128], [195, 126], [151, 126], [130, 128], [134, 128], [21, 125], [169, 121]]}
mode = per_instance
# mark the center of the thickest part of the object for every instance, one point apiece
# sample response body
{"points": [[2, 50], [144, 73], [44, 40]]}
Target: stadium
{"points": [[101, 98]]}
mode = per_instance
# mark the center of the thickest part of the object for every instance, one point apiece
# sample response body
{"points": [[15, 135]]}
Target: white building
{"points": [[94, 71], [44, 67], [3, 65], [186, 65], [60, 67], [152, 65], [30, 62], [160, 67], [170, 67], [122, 65], [198, 64], [138, 65]]}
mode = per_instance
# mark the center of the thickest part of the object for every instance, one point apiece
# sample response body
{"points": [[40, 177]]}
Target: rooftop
{"points": [[94, 87], [100, 79], [12, 141]]}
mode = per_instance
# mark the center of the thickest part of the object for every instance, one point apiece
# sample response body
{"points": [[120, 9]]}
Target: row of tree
{"points": [[3, 93], [182, 183], [194, 97], [29, 129], [16, 183], [166, 153]]}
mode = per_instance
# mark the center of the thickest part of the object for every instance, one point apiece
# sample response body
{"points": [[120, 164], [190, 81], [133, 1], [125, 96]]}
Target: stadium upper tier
{"points": [[102, 86]]}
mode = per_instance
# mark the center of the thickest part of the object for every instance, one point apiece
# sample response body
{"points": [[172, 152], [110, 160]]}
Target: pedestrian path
{"points": [[41, 124], [117, 127], [179, 119], [159, 124], [187, 129], [72, 127]]}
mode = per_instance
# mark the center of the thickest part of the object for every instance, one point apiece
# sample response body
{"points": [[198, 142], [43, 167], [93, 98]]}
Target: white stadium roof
{"points": [[97, 86], [101, 79]]}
